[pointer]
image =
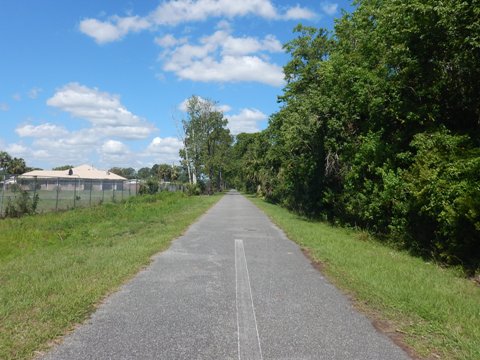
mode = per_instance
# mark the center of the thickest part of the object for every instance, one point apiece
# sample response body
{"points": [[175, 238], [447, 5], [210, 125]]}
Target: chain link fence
{"points": [[172, 187], [62, 193]]}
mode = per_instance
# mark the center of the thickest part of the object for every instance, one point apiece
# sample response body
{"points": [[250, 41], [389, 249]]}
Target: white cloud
{"points": [[233, 69], [40, 154], [43, 130], [17, 150], [169, 40], [83, 138], [164, 150], [249, 45], [179, 11], [113, 147], [33, 92], [109, 121], [75, 148], [114, 29], [223, 108], [299, 13], [126, 132], [174, 12], [4, 107], [103, 110], [330, 8], [221, 57], [246, 121], [271, 44]]}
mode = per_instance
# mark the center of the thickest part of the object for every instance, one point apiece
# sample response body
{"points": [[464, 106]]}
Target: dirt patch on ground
{"points": [[381, 325]]}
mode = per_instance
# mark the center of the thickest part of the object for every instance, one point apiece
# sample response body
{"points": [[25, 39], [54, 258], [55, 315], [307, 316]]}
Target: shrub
{"points": [[21, 205], [193, 189], [150, 187]]}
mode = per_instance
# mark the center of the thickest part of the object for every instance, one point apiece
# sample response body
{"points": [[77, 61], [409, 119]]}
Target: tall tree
{"points": [[206, 140]]}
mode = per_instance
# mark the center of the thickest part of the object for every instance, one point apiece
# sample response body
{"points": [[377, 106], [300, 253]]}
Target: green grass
{"points": [[55, 267], [435, 310]]}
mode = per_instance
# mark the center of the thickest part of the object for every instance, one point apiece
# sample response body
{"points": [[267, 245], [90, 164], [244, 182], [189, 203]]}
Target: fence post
{"points": [[91, 186], [123, 184], [58, 191], [3, 193], [103, 192], [113, 192], [34, 186], [75, 193]]}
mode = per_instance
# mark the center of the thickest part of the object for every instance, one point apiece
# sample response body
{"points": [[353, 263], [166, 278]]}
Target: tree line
{"points": [[379, 127]]}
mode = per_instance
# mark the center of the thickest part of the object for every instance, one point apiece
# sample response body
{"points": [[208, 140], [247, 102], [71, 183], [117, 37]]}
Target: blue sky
{"points": [[103, 82]]}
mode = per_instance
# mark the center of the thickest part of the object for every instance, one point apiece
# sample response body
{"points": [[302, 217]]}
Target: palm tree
{"points": [[17, 166], [5, 160]]}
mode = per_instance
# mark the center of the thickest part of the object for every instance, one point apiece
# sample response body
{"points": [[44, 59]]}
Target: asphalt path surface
{"points": [[232, 287]]}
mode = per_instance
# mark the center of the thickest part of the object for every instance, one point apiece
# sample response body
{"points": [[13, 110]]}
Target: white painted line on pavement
{"points": [[248, 339]]}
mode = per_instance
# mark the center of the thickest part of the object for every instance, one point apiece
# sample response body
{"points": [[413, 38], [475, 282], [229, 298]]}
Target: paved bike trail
{"points": [[232, 287]]}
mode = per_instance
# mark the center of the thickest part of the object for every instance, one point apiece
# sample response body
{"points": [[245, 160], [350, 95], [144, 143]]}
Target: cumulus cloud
{"points": [[329, 8], [74, 149], [164, 150], [174, 12], [233, 69], [179, 11], [222, 57], [103, 110], [246, 121], [79, 146], [17, 150], [43, 130], [299, 13], [113, 29], [169, 40], [109, 121], [113, 147]]}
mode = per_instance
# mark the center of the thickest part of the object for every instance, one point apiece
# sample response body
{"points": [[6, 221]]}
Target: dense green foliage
{"points": [[380, 127]]}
